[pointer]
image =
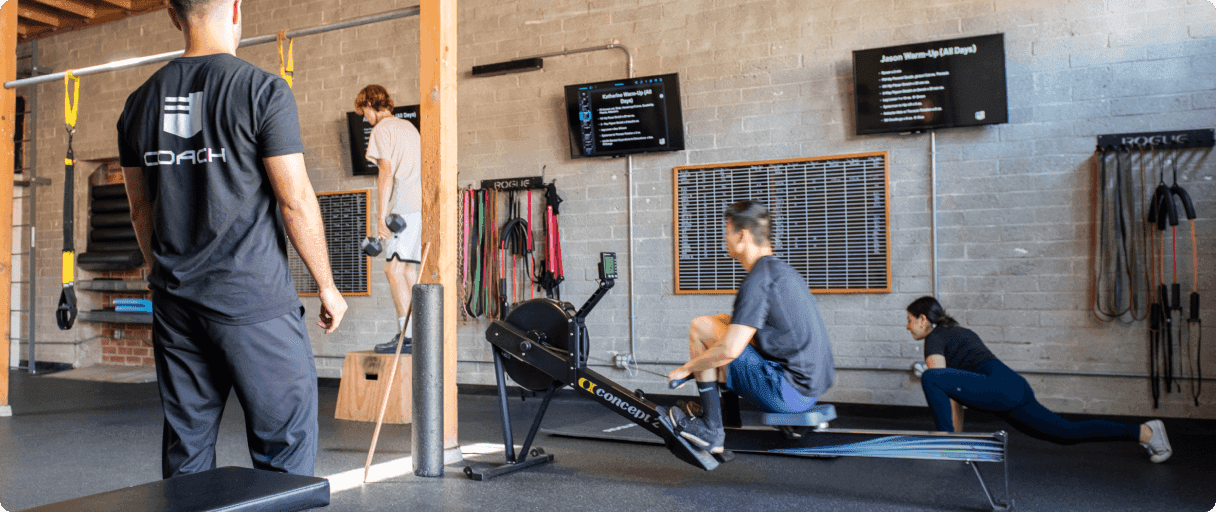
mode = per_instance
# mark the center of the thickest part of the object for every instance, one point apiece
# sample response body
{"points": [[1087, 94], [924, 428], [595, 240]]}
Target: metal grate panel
{"points": [[830, 214], [346, 220]]}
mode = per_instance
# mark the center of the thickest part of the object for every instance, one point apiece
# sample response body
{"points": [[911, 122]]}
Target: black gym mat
{"points": [[228, 489]]}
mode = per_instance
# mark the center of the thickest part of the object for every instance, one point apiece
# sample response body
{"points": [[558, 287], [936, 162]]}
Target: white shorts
{"points": [[406, 245]]}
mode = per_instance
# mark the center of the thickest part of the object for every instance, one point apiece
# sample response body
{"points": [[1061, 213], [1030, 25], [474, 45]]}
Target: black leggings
{"points": [[998, 389]]}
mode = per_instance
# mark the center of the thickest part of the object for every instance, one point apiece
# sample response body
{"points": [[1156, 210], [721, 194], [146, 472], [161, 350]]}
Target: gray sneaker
{"points": [[1159, 444], [390, 347], [696, 430]]}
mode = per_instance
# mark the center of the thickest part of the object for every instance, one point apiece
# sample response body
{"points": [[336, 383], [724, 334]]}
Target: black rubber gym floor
{"points": [[75, 438]]}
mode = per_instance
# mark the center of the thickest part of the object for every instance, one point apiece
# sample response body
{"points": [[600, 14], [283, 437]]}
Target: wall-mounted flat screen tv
{"points": [[361, 131], [620, 117], [923, 86]]}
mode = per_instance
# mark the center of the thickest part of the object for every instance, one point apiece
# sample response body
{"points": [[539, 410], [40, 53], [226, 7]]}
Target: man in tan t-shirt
{"points": [[396, 148]]}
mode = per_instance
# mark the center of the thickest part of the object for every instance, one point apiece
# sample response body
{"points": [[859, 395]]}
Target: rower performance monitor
{"points": [[620, 117], [607, 266]]}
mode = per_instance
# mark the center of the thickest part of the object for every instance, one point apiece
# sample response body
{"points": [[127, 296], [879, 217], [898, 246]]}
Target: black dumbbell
{"points": [[395, 223], [373, 246]]}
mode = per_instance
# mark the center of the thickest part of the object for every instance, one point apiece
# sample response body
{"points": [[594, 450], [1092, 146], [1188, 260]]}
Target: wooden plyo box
{"points": [[364, 374]]}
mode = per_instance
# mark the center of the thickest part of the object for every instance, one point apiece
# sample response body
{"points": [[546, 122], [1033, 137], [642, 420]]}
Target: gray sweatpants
{"points": [[269, 364]]}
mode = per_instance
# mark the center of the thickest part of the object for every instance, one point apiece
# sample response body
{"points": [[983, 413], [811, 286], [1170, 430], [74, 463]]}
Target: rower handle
{"points": [[672, 384]]}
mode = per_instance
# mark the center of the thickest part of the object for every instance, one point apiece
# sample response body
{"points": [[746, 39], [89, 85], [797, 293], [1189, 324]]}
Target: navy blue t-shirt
{"points": [[199, 129], [775, 299], [961, 347]]}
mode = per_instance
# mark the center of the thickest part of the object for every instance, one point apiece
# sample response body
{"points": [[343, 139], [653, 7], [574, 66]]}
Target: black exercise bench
{"points": [[229, 489]]}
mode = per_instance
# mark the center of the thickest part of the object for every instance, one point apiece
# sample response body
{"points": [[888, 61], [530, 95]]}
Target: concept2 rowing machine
{"points": [[543, 345]]}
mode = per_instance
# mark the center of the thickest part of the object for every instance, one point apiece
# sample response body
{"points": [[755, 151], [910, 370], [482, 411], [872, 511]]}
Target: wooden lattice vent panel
{"points": [[347, 217], [831, 219]]}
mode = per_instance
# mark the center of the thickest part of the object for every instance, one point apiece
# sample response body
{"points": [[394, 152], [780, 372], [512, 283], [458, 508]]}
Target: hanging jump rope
{"points": [[1161, 212], [516, 248], [552, 273], [1188, 208], [65, 312]]}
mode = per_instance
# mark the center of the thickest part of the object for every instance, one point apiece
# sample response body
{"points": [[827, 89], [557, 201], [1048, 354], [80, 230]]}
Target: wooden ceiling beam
{"points": [[40, 15], [121, 4], [76, 7]]}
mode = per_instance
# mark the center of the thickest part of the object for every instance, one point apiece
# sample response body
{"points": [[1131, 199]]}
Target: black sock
{"points": [[712, 403]]}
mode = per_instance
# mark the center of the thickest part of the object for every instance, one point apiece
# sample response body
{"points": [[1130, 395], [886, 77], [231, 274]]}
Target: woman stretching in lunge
{"points": [[961, 370]]}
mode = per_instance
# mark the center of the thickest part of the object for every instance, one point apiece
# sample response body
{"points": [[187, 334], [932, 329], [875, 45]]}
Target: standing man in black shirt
{"points": [[774, 346], [211, 153]]}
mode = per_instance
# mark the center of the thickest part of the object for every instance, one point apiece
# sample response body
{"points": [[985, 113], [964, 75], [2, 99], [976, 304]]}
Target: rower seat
{"points": [[819, 415]]}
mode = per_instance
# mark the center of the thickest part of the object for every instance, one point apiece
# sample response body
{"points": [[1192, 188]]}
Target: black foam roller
{"points": [[110, 260], [112, 234], [110, 220], [426, 433], [110, 192], [111, 206], [113, 246]]}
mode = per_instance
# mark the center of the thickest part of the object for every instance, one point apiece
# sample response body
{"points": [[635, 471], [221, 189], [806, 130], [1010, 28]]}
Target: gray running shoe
{"points": [[390, 347], [1159, 444], [696, 430]]}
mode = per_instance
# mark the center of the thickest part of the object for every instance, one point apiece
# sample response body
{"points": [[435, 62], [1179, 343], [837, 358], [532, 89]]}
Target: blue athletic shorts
{"points": [[762, 383]]}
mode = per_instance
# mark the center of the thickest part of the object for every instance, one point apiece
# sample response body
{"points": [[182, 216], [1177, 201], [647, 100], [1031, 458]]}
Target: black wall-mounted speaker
{"points": [[511, 66]]}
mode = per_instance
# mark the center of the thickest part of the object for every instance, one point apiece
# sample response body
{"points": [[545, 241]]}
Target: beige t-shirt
{"points": [[396, 140]]}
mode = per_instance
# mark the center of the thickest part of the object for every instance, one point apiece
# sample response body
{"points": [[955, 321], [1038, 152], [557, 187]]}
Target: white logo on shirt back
{"points": [[182, 115]]}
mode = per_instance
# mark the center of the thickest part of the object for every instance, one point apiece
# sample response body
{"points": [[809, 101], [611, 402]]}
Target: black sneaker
{"points": [[391, 347], [697, 430]]}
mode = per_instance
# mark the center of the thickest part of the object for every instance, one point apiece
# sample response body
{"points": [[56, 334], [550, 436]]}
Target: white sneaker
{"points": [[1159, 444]]}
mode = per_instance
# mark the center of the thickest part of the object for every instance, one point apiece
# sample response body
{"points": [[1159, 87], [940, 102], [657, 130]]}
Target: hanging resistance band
{"points": [[287, 67], [1114, 290], [65, 313], [462, 227]]}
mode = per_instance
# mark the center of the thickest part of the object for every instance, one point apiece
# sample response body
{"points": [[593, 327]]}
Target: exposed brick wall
{"points": [[131, 345], [761, 79]]}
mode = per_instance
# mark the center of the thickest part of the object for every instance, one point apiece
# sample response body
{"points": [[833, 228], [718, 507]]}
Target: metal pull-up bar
{"points": [[252, 41]]}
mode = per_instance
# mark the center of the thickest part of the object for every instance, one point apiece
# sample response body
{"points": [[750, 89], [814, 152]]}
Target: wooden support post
{"points": [[8, 123], [437, 88]]}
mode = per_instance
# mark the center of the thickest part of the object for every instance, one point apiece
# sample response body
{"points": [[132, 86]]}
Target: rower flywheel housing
{"points": [[546, 322]]}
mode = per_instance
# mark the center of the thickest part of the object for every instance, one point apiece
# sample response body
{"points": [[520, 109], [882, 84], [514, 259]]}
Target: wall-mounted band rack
{"points": [[1203, 138]]}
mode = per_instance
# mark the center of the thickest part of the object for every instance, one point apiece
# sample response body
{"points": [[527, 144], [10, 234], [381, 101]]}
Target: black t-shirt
{"points": [[775, 299], [961, 347], [199, 129]]}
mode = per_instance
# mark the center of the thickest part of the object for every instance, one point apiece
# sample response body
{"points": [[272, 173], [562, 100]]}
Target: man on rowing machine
{"points": [[774, 346]]}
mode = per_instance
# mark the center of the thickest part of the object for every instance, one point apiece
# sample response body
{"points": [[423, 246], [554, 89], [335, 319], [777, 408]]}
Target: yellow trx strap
{"points": [[65, 312], [71, 103], [287, 67]]}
